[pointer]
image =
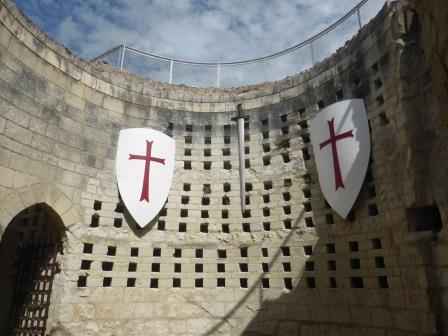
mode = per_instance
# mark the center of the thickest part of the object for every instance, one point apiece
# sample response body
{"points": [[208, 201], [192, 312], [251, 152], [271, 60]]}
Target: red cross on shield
{"points": [[341, 145], [145, 166]]}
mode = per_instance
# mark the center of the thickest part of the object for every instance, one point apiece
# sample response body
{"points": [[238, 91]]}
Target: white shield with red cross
{"points": [[145, 166], [341, 145]]}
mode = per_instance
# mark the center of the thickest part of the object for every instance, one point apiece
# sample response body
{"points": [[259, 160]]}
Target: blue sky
{"points": [[198, 30]]}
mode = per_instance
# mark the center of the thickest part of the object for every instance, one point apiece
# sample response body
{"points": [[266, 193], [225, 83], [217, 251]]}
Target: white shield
{"points": [[145, 165], [341, 146]]}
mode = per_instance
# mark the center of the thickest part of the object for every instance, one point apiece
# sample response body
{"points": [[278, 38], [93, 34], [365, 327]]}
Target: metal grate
{"points": [[35, 268]]}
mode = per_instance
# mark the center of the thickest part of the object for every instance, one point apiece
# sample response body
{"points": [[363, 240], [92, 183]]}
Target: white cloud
{"points": [[221, 30]]}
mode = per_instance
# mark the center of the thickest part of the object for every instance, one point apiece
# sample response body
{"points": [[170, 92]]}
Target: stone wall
{"points": [[287, 266]]}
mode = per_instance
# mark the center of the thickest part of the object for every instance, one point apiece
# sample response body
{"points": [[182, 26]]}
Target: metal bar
{"points": [[122, 56], [171, 72], [313, 58], [265, 70], [219, 74], [241, 156], [359, 18]]}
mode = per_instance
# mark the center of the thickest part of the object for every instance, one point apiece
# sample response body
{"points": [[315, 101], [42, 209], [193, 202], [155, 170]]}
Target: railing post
{"points": [[171, 72], [313, 58], [219, 74], [123, 48], [359, 18], [265, 69]]}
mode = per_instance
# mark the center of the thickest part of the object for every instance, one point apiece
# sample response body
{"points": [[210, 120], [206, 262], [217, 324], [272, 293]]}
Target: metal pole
{"points": [[359, 18], [313, 59], [171, 72], [241, 156], [122, 56], [265, 70], [219, 74]]}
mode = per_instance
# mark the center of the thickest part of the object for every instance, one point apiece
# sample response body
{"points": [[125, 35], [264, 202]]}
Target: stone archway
{"points": [[33, 223]]}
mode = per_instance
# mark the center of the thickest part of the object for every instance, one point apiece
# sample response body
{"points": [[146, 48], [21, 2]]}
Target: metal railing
{"points": [[232, 74]]}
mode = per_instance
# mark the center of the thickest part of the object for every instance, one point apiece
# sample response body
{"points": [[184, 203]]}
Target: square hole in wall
{"points": [[376, 243], [265, 283], [222, 253], [187, 165], [267, 185], [266, 148], [247, 199], [161, 225], [266, 198], [285, 130], [284, 118], [264, 251], [177, 268], [207, 165], [287, 224], [246, 227], [82, 281], [310, 282], [176, 282], [97, 205], [227, 139], [379, 262], [286, 267], [246, 213], [309, 222], [266, 212], [155, 267], [132, 267], [331, 265], [204, 214], [154, 283], [243, 283], [266, 160], [198, 283], [208, 140], [267, 226], [248, 187], [329, 219], [95, 220], [308, 250], [226, 152], [177, 253], [356, 282], [243, 252], [188, 139], [353, 246], [185, 200], [120, 207], [320, 104], [156, 252], [221, 282], [182, 227], [330, 248], [107, 266], [226, 187], [288, 283], [107, 282], [204, 228], [265, 135], [118, 222], [225, 228], [285, 157], [226, 129], [224, 214], [247, 163], [306, 193], [285, 251], [134, 251], [244, 267], [187, 187], [187, 152], [305, 138], [303, 124], [246, 137], [111, 250], [85, 264], [309, 266], [287, 182], [332, 283], [184, 213], [130, 282], [287, 209], [355, 263], [221, 268], [199, 253], [88, 248], [382, 282], [199, 268]]}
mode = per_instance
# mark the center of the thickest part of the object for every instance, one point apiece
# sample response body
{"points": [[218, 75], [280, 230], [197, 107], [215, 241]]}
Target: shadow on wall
{"points": [[320, 294]]}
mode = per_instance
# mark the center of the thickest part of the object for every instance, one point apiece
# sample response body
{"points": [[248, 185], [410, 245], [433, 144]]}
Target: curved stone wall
{"points": [[287, 266]]}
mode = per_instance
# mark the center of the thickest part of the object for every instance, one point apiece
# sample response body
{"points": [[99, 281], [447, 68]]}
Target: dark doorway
{"points": [[30, 250]]}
